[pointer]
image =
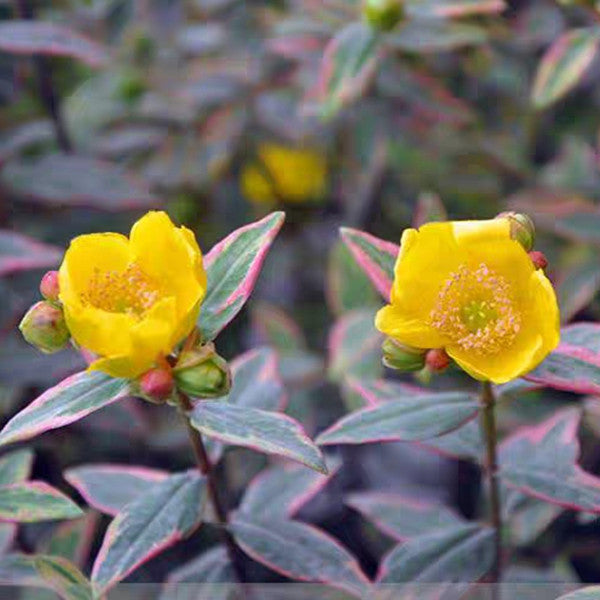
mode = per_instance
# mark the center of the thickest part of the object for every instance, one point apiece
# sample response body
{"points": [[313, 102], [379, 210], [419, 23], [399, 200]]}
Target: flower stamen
{"points": [[130, 291], [476, 310]]}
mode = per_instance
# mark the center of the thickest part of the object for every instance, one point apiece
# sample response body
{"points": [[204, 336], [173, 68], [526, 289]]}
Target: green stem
{"points": [[206, 469], [488, 421]]}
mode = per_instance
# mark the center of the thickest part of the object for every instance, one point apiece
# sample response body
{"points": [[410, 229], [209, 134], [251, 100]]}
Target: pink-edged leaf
{"points": [[377, 391], [21, 253], [429, 208], [72, 540], [465, 442], [32, 501], [36, 37], [232, 268], [15, 466], [436, 35], [376, 257], [449, 9], [260, 430], [348, 65], [578, 283], [280, 491], [168, 512], [276, 328], [409, 417], [69, 180], [256, 381], [70, 400], [299, 551], [455, 555], [591, 592], [8, 533], [575, 365], [564, 64], [401, 517], [212, 569], [355, 346], [541, 461], [109, 488]]}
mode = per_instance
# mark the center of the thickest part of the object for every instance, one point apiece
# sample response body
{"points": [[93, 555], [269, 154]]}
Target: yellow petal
{"points": [[412, 332], [255, 185]]}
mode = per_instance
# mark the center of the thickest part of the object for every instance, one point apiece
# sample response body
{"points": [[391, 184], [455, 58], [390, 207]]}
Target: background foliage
{"points": [[465, 108]]}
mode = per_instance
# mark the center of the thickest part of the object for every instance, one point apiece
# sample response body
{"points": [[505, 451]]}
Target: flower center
{"points": [[130, 291], [476, 310]]}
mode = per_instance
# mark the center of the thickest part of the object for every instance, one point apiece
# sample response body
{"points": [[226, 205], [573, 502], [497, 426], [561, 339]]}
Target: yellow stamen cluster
{"points": [[476, 310], [130, 291]]}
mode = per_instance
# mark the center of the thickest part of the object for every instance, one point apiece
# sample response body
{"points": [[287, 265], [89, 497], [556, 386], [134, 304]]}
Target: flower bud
{"points": [[44, 327], [538, 259], [49, 286], [400, 357], [522, 228], [383, 15], [437, 360], [156, 385], [202, 373]]}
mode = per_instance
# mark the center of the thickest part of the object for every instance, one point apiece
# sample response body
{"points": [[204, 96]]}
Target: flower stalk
{"points": [[206, 469], [488, 420]]}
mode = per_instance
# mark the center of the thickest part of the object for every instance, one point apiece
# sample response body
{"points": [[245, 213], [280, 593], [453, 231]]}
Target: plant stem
{"points": [[206, 469], [45, 82], [488, 420]]}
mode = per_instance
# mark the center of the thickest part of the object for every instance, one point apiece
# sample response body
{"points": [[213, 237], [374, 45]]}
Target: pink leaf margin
{"points": [[374, 272], [30, 254]]}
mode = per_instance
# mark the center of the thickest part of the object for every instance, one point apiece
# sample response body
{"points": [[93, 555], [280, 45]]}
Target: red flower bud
{"points": [[538, 259], [49, 286], [437, 360], [156, 384]]}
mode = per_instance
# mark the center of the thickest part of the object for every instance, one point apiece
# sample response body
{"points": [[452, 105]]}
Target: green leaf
{"points": [[260, 430], [44, 571], [212, 569], [349, 63], [153, 522], [575, 365], [563, 65], [542, 461], [32, 501], [276, 328], [36, 37], [355, 346], [72, 540], [70, 400], [19, 253], [70, 180], [466, 442], [410, 417], [299, 551], [578, 285], [588, 593], [348, 287], [401, 517], [282, 490], [460, 554], [109, 488], [15, 466], [232, 268]]}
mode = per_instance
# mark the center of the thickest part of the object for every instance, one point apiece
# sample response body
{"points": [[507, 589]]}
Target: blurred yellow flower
{"points": [[469, 288], [293, 175], [130, 301]]}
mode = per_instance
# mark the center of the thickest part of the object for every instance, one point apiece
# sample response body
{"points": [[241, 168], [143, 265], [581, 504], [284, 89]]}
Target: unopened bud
{"points": [[522, 228], [538, 259], [400, 357], [49, 286], [202, 373], [437, 360], [44, 327], [156, 385], [383, 15]]}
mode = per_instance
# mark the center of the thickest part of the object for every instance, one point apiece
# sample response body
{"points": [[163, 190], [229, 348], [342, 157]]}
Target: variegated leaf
{"points": [[20, 253]]}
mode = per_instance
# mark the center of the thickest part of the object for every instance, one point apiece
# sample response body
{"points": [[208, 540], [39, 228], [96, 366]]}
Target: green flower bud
{"points": [[383, 15], [202, 373], [402, 358], [44, 327], [522, 229]]}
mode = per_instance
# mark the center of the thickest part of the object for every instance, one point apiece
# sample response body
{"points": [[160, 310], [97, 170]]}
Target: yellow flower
{"points": [[469, 288], [130, 301], [294, 175]]}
